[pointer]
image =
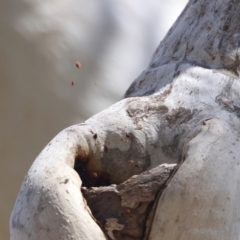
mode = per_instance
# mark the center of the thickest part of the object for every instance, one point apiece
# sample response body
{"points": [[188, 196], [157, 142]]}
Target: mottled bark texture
{"points": [[183, 109]]}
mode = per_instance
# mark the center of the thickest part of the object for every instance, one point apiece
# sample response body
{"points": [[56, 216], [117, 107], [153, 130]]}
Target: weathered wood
{"points": [[125, 208]]}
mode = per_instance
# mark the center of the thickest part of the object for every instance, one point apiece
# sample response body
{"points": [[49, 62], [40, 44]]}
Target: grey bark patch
{"points": [[229, 106], [172, 127], [149, 92], [125, 164], [225, 100], [173, 148], [163, 95], [176, 74], [137, 108], [180, 115], [149, 82], [15, 223], [131, 89]]}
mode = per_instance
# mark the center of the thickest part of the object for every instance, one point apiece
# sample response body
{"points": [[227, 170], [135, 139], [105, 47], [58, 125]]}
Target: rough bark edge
{"points": [[122, 211]]}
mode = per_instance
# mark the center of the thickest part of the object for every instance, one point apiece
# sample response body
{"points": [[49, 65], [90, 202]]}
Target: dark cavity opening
{"points": [[90, 178]]}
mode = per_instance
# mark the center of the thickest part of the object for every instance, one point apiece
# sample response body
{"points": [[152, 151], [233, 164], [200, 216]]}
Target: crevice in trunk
{"points": [[89, 179], [125, 211]]}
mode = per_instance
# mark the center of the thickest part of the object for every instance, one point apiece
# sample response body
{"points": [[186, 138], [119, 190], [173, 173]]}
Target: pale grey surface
{"points": [[39, 46]]}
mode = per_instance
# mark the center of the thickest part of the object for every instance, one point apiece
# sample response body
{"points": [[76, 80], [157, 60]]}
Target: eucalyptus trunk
{"points": [[164, 162]]}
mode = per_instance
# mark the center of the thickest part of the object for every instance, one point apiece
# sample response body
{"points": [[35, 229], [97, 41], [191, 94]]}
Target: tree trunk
{"points": [[183, 111]]}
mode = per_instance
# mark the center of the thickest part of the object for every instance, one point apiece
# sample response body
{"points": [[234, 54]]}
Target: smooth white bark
{"points": [[185, 109], [201, 201]]}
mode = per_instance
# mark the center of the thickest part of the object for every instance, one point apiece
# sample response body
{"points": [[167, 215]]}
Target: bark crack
{"points": [[124, 211]]}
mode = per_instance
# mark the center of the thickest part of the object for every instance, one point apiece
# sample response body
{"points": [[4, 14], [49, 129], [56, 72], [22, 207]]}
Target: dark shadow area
{"points": [[126, 211], [89, 179]]}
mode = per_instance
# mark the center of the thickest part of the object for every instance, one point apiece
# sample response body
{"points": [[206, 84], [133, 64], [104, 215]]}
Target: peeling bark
{"points": [[184, 108], [125, 208]]}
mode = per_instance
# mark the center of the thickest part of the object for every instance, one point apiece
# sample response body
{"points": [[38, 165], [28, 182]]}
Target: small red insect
{"points": [[78, 65]]}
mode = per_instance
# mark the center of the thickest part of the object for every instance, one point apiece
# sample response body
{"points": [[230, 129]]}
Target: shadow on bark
{"points": [[124, 211]]}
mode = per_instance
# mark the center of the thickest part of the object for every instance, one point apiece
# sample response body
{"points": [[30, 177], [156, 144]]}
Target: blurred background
{"points": [[41, 89]]}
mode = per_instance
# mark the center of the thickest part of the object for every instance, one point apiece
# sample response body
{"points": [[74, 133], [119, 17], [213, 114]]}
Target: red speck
{"points": [[78, 65], [94, 174], [137, 165], [73, 83], [128, 211]]}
